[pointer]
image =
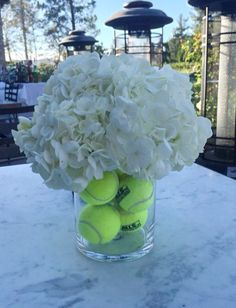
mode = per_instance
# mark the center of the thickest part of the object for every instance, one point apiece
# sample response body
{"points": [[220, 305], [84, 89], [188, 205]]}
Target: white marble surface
{"points": [[193, 264]]}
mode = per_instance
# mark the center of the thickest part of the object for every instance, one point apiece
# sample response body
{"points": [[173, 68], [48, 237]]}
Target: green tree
{"points": [[10, 38], [192, 55], [2, 50], [174, 49], [99, 48], [196, 17], [19, 23], [182, 27], [61, 16], [185, 52]]}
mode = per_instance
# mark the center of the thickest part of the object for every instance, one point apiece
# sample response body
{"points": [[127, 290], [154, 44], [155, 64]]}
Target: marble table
{"points": [[193, 264]]}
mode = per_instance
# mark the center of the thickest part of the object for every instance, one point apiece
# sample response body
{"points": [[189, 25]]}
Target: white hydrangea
{"points": [[121, 113]]}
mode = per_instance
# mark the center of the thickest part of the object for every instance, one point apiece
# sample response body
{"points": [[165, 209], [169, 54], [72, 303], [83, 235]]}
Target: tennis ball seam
{"points": [[93, 228], [107, 199], [141, 201], [97, 199]]}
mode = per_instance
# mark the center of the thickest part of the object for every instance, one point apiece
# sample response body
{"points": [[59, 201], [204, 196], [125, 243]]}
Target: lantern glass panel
{"points": [[138, 44], [143, 44], [119, 43], [82, 49], [70, 50], [156, 49]]}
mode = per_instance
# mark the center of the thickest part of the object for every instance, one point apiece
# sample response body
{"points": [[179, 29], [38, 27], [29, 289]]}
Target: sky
{"points": [[105, 8]]}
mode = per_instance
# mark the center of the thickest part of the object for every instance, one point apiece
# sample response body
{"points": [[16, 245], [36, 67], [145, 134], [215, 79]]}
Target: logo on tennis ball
{"points": [[135, 195], [123, 191], [132, 221], [132, 227]]}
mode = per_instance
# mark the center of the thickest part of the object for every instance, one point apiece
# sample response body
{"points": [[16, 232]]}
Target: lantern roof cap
{"points": [[138, 15], [77, 37], [224, 6]]}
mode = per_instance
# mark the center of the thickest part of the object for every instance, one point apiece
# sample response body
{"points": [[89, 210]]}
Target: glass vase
{"points": [[134, 238]]}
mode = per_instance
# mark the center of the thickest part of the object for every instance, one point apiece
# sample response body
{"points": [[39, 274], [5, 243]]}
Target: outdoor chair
{"points": [[11, 92], [8, 117], [10, 112], [9, 151]]}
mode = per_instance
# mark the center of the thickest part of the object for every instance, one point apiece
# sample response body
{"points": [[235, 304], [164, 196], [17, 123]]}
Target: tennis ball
{"points": [[135, 195], [101, 191], [120, 174], [99, 224], [132, 221]]}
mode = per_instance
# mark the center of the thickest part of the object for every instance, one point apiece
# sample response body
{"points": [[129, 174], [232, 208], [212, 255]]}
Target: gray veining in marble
{"points": [[193, 264]]}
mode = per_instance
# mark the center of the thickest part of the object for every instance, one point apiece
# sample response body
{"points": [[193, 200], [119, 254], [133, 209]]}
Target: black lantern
{"points": [[218, 95], [77, 42], [134, 36]]}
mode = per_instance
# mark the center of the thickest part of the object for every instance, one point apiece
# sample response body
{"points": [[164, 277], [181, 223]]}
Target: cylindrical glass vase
{"points": [[116, 231]]}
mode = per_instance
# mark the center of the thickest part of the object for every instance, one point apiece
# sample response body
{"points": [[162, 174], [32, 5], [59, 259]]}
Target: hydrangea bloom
{"points": [[121, 113]]}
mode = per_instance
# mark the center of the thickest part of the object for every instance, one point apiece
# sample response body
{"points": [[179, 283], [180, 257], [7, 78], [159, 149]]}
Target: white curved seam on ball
{"points": [[93, 228], [97, 199], [103, 200], [141, 201]]}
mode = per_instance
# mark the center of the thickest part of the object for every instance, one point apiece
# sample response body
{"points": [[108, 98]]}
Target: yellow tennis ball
{"points": [[135, 195], [120, 174], [101, 191], [99, 224], [132, 221]]}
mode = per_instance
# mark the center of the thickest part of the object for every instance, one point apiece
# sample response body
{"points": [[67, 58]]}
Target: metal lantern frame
{"points": [[134, 33], [220, 150], [153, 50], [77, 41]]}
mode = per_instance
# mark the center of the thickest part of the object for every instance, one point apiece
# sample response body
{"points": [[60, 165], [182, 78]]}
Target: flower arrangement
{"points": [[99, 115]]}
